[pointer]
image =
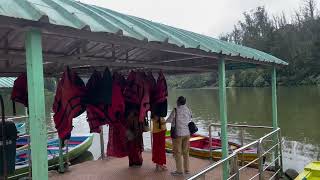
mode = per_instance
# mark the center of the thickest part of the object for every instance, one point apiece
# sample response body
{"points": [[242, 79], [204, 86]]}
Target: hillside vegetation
{"points": [[296, 41]]}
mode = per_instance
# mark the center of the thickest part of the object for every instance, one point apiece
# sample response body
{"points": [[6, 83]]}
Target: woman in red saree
{"points": [[158, 146]]}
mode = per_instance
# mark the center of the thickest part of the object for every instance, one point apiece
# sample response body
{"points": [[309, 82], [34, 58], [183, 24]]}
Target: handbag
{"points": [[173, 132], [192, 127]]}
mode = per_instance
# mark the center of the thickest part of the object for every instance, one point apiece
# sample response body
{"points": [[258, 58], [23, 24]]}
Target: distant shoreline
{"points": [[214, 87]]}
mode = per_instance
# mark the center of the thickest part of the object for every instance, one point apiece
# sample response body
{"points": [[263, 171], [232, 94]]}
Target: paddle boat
{"points": [[310, 172], [199, 147], [77, 145]]}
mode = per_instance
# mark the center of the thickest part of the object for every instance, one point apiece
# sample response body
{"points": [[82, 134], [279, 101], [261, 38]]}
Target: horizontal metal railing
{"points": [[16, 117], [28, 136], [276, 148]]}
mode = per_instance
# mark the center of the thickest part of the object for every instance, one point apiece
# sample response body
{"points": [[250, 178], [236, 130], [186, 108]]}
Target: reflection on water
{"points": [[298, 109], [298, 116]]}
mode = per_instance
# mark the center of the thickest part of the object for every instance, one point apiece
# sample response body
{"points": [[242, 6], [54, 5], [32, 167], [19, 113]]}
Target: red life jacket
{"points": [[68, 102], [96, 117], [137, 92], [159, 100], [96, 102], [145, 100], [117, 109], [161, 91], [20, 90], [120, 80], [132, 89], [152, 86], [152, 89], [117, 140]]}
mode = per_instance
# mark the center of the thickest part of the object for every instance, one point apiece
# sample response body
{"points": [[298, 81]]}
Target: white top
{"points": [[184, 116]]}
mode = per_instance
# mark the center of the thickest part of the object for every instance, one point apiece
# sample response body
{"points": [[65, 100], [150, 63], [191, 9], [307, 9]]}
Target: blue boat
{"points": [[21, 128], [21, 141], [77, 145]]}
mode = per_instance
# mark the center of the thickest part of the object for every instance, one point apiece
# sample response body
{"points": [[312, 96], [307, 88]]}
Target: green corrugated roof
{"points": [[6, 82], [79, 15]]}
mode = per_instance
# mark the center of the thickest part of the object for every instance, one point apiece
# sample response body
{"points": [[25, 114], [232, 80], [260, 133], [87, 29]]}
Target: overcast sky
{"points": [[210, 17]]}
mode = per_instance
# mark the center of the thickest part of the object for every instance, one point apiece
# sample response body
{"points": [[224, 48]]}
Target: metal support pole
{"points": [[151, 139], [242, 144], [61, 161], [14, 112], [223, 115], [37, 118], [210, 142], [280, 152], [275, 112], [260, 161], [67, 154], [274, 99], [26, 112], [102, 143], [151, 127], [236, 167], [4, 142]]}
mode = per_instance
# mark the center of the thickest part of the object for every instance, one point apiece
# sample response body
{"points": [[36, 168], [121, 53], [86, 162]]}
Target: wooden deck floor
{"points": [[117, 169]]}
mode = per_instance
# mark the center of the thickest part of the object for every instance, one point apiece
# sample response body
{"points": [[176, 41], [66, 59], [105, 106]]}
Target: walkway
{"points": [[117, 169]]}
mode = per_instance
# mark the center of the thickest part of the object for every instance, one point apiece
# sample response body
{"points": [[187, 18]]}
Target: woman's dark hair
{"points": [[181, 101]]}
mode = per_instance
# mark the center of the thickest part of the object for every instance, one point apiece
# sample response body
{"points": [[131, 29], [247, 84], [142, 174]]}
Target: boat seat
{"points": [[196, 138]]}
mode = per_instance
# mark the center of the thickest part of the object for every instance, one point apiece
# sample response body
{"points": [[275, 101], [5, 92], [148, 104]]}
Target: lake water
{"points": [[298, 116]]}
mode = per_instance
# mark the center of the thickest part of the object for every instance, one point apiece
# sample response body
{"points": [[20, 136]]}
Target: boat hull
{"points": [[53, 159], [310, 172], [195, 140]]}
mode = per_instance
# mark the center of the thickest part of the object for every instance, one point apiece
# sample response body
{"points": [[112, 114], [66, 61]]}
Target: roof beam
{"points": [[4, 38], [75, 45], [137, 65], [176, 60], [50, 64], [124, 53]]}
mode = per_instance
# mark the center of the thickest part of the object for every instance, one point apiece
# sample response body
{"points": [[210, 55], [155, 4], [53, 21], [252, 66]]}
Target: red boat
{"points": [[199, 147]]}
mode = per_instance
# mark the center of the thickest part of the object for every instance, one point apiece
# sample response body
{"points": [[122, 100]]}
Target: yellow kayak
{"points": [[310, 172]]}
